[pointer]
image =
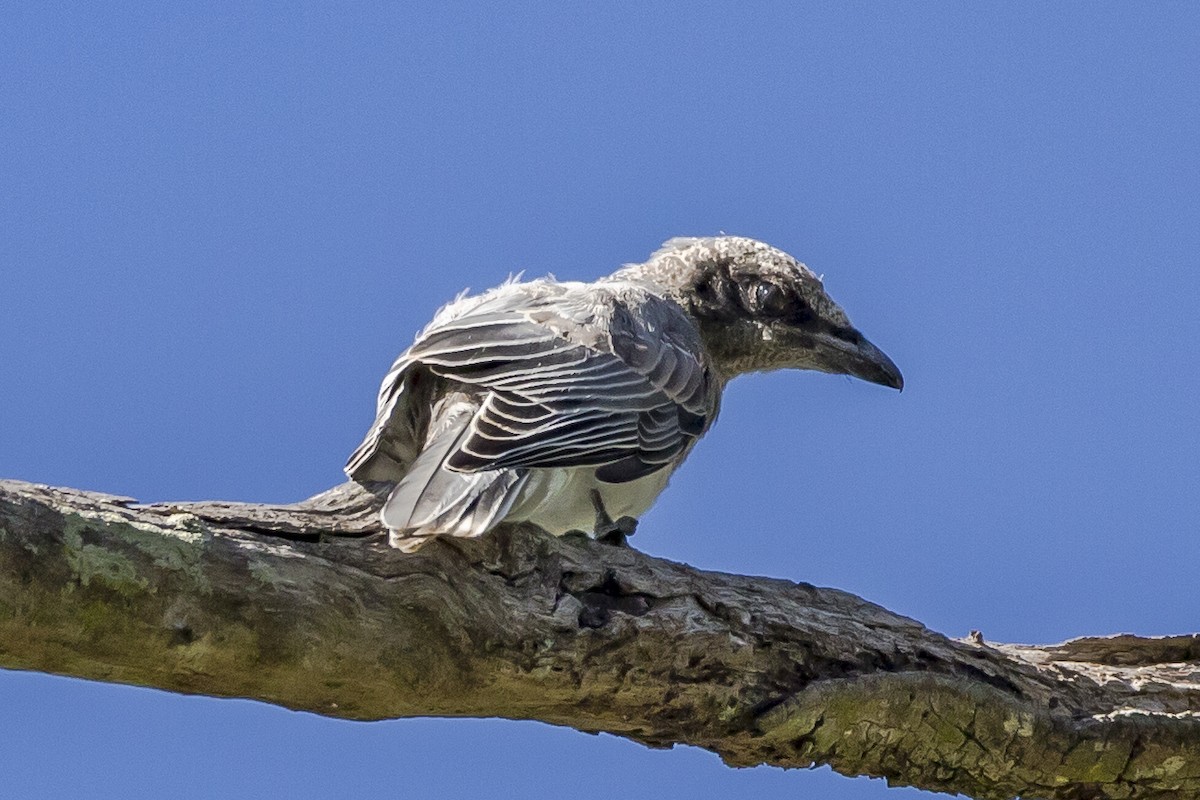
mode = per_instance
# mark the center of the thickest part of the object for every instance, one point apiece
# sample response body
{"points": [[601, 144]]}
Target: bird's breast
{"points": [[560, 500]]}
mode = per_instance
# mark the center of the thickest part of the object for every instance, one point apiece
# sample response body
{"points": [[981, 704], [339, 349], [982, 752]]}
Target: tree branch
{"points": [[306, 606]]}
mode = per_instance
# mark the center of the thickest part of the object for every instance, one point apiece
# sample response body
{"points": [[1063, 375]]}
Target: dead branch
{"points": [[306, 607]]}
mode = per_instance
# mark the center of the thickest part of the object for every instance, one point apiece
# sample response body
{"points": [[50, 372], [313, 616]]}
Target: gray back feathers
{"points": [[565, 375]]}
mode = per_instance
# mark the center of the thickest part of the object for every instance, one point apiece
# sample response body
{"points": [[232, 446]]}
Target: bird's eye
{"points": [[773, 300]]}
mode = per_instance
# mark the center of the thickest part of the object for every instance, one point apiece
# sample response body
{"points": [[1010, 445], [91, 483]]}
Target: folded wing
{"points": [[568, 376], [571, 384]]}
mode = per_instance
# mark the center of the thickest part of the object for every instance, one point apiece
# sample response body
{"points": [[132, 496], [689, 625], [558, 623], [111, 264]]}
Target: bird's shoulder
{"points": [[609, 316]]}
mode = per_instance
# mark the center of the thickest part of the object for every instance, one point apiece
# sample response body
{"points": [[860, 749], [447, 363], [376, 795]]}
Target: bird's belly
{"points": [[560, 500]]}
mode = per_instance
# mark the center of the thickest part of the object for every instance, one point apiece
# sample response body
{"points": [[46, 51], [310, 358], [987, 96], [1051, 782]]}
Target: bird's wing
{"points": [[396, 438], [573, 378]]}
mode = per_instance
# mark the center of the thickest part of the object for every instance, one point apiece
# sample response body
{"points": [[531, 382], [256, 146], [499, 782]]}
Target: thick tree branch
{"points": [[305, 606]]}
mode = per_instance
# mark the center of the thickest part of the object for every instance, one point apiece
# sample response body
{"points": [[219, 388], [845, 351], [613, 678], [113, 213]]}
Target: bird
{"points": [[568, 405]]}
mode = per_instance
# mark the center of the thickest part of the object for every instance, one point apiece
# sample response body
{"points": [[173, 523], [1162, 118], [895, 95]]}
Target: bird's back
{"points": [[550, 388]]}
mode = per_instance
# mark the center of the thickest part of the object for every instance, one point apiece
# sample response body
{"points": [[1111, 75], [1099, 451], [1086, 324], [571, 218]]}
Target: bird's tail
{"points": [[432, 500]]}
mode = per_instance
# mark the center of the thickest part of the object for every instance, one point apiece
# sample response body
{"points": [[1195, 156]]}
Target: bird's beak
{"points": [[854, 355]]}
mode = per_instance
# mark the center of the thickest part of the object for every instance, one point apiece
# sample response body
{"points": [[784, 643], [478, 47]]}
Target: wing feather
{"points": [[569, 375]]}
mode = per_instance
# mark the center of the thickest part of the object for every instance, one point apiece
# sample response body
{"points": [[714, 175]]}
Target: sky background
{"points": [[220, 223]]}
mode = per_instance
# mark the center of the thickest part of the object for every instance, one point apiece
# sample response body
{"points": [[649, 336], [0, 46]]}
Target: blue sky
{"points": [[220, 223]]}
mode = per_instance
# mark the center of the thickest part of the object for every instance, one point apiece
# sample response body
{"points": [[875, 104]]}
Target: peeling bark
{"points": [[306, 607]]}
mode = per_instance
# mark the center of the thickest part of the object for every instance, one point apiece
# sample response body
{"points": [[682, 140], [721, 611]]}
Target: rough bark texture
{"points": [[305, 606]]}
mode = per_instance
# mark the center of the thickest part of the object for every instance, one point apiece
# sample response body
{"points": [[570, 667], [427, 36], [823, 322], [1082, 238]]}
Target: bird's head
{"points": [[760, 309]]}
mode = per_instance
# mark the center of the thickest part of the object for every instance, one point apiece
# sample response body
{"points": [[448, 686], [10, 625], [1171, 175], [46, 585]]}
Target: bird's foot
{"points": [[621, 529], [608, 530]]}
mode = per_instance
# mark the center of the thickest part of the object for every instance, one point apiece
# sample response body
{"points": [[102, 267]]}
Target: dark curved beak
{"points": [[858, 357], [872, 364]]}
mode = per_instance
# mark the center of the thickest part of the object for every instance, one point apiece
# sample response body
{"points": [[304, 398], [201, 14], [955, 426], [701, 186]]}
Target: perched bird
{"points": [[568, 405]]}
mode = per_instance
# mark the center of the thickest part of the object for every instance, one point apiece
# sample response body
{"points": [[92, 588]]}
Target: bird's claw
{"points": [[621, 529], [608, 530]]}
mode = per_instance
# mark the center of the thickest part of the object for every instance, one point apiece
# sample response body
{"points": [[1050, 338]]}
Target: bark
{"points": [[306, 607]]}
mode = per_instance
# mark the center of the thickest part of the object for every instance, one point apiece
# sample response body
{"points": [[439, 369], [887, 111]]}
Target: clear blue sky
{"points": [[218, 225]]}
